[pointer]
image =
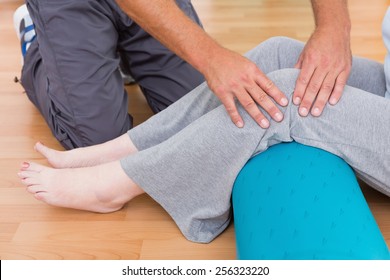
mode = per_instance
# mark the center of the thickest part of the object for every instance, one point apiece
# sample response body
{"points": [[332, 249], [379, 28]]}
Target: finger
{"points": [[311, 93], [271, 89], [251, 107], [231, 109], [323, 95], [262, 99], [302, 83], [338, 89]]}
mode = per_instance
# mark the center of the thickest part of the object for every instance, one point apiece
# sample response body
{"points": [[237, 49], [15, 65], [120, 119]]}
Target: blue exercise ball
{"points": [[297, 202]]}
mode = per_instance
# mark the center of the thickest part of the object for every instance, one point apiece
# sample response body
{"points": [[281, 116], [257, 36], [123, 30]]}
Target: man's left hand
{"points": [[325, 64]]}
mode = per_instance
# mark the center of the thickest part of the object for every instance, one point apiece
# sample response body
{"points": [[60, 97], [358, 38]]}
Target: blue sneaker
{"points": [[24, 27]]}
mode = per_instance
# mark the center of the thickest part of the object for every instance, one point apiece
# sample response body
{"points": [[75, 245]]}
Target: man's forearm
{"points": [[164, 20], [332, 14]]}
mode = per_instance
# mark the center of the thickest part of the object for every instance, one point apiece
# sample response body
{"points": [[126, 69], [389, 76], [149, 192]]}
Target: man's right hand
{"points": [[231, 76]]}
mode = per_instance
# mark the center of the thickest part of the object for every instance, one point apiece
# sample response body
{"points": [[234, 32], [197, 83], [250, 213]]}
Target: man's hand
{"points": [[326, 60], [325, 65], [231, 76]]}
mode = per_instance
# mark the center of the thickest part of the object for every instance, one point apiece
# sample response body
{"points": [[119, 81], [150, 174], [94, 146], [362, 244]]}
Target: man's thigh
{"points": [[161, 74], [77, 43]]}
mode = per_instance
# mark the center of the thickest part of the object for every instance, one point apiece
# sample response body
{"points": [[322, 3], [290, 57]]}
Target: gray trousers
{"points": [[191, 153], [71, 70]]}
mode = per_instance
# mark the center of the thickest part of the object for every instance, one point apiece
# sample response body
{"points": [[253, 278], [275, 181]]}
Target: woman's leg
{"points": [[88, 156], [282, 52], [267, 55], [101, 188], [271, 55], [192, 173], [173, 119]]}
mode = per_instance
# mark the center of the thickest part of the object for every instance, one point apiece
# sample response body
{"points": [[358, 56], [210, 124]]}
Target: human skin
{"points": [[325, 61]]}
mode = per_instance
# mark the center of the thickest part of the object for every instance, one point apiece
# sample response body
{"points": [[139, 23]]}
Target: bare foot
{"points": [[102, 188], [66, 159], [89, 156]]}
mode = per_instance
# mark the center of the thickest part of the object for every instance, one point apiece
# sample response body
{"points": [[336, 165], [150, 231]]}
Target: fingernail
{"points": [[303, 111], [284, 101], [333, 101], [278, 117], [297, 100], [25, 165], [316, 112], [240, 124], [264, 123]]}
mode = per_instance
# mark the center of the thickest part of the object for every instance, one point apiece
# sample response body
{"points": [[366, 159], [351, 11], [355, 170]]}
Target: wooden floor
{"points": [[142, 230]]}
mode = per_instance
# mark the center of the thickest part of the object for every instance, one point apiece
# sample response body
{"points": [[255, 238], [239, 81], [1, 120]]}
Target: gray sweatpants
{"points": [[71, 73], [190, 165]]}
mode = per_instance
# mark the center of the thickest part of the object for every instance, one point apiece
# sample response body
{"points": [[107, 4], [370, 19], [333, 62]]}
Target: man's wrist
{"points": [[332, 15], [208, 57]]}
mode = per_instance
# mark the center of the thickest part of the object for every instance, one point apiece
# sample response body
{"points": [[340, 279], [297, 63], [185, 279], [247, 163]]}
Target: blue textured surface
{"points": [[298, 202]]}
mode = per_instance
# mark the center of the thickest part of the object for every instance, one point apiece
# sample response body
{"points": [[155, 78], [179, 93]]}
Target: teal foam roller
{"points": [[295, 202]]}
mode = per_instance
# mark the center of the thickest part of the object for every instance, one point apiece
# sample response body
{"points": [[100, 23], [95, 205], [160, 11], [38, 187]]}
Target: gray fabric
{"points": [[190, 170], [273, 54], [71, 70]]}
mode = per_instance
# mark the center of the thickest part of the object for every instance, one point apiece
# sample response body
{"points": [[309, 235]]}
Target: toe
{"points": [[26, 174], [30, 181], [33, 189], [36, 188], [40, 196], [39, 147], [32, 166]]}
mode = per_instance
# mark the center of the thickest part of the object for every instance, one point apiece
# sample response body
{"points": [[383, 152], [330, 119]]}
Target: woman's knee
{"points": [[278, 41], [276, 53], [269, 46], [285, 80]]}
